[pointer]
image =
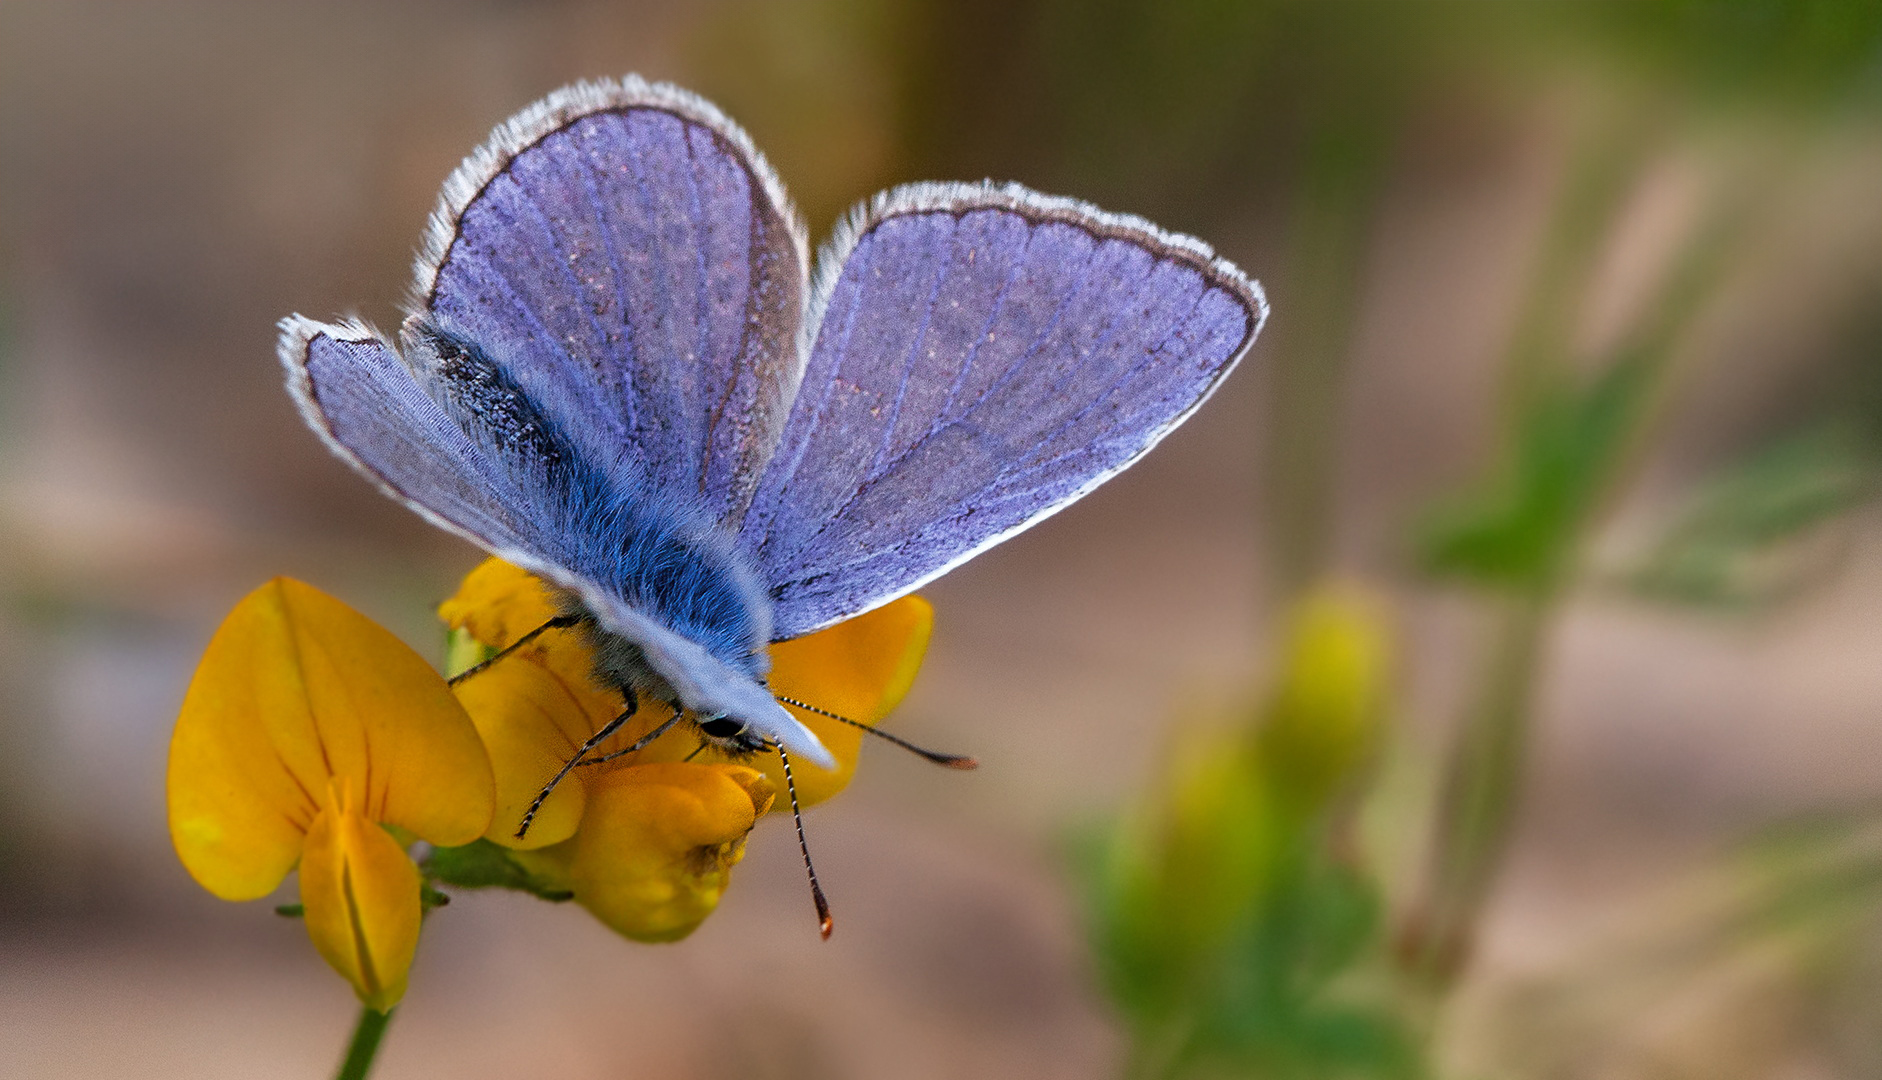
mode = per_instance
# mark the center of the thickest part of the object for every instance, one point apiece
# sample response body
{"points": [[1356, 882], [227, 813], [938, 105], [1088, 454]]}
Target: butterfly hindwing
{"points": [[983, 356], [629, 260], [361, 398]]}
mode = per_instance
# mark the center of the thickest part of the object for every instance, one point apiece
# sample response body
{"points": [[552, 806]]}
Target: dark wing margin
{"points": [[626, 255], [982, 357]]}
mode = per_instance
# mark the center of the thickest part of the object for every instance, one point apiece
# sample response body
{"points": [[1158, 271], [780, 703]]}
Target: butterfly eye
{"points": [[722, 727]]}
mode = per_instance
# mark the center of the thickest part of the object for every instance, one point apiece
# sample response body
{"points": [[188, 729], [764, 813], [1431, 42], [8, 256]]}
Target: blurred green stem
{"points": [[365, 1045], [1480, 792], [1332, 217], [1605, 169], [1483, 777]]}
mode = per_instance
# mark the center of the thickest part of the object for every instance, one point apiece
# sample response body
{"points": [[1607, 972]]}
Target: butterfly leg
{"points": [[559, 622], [678, 711]]}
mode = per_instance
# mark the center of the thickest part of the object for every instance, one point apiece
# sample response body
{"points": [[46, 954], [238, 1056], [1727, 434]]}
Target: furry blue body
{"points": [[657, 550]]}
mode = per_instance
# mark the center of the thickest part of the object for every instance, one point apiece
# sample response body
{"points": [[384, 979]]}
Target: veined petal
{"points": [[388, 722], [238, 811], [658, 842], [359, 890], [497, 603], [294, 690], [530, 725]]}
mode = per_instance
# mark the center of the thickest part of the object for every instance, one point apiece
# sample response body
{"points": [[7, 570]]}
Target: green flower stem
{"points": [[1608, 160], [1483, 780], [1332, 221], [365, 1045], [1480, 795]]}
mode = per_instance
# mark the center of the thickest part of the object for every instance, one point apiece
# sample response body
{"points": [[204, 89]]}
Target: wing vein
{"points": [[912, 363], [702, 313], [592, 188], [645, 199], [839, 349], [1109, 393], [1058, 315], [973, 352], [869, 483], [515, 297], [547, 225]]}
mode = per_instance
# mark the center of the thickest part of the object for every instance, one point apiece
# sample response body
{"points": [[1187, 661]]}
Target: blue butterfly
{"points": [[618, 372]]}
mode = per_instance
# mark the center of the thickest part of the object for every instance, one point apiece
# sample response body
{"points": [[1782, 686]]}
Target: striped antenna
{"points": [[824, 923], [952, 761]]}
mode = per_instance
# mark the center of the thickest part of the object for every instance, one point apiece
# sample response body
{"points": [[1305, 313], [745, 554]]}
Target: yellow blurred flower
{"points": [[1325, 714], [306, 729], [646, 842]]}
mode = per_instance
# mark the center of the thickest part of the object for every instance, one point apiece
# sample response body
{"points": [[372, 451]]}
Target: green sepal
{"points": [[481, 864], [462, 652]]}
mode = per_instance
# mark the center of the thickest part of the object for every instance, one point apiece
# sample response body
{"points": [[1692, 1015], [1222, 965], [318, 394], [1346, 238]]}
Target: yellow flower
{"points": [[1324, 716], [646, 842], [306, 728], [656, 845]]}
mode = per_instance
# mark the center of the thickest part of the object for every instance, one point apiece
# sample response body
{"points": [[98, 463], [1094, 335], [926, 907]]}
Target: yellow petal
{"points": [[295, 689], [238, 812], [861, 668], [497, 603], [658, 842], [360, 892], [387, 722], [530, 726]]}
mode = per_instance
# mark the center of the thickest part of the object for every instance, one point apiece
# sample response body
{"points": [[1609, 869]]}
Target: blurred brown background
{"points": [[175, 176]]}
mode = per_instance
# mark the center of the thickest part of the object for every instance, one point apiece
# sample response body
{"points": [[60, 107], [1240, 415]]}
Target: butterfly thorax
{"points": [[654, 546], [656, 558], [658, 555]]}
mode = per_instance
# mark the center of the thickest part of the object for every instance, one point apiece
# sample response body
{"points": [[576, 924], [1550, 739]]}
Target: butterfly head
{"points": [[731, 735]]}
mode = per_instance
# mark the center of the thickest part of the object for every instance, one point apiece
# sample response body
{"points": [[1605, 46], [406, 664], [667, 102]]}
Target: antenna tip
{"points": [[960, 762], [825, 923]]}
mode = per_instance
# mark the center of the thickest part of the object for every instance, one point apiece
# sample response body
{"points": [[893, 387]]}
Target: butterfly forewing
{"points": [[626, 257], [983, 356]]}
